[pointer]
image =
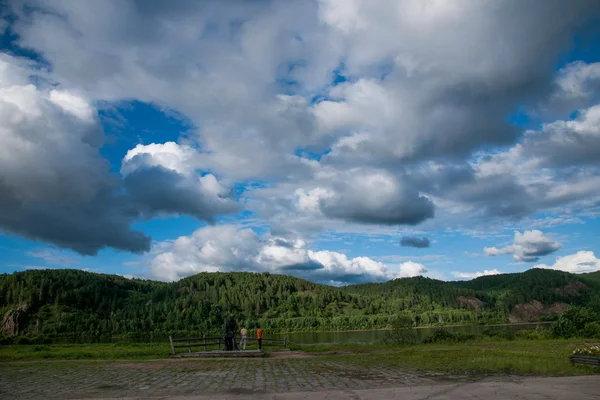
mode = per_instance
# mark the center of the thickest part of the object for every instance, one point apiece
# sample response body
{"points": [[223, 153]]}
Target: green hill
{"points": [[593, 276], [78, 303]]}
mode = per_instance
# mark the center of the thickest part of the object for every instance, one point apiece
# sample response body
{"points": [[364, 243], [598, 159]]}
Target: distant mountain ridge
{"points": [[78, 303]]}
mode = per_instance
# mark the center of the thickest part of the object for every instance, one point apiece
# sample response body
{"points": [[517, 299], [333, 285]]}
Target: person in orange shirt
{"points": [[259, 334]]}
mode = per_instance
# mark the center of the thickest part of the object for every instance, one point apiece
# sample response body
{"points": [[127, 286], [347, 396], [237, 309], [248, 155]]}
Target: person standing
{"points": [[229, 334], [259, 335], [243, 333]]}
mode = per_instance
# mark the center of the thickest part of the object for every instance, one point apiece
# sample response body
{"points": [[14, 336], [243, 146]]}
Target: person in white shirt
{"points": [[243, 339]]}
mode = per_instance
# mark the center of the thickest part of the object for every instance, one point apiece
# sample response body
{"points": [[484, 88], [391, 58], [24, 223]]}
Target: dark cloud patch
{"points": [[495, 196], [159, 190], [307, 266], [567, 143], [376, 197], [86, 228], [418, 242], [411, 211]]}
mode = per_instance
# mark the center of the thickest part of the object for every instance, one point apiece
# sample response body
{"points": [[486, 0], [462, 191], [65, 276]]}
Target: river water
{"points": [[331, 337], [422, 333]]}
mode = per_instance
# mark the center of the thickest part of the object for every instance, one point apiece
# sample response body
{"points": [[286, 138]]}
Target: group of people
{"points": [[230, 335]]}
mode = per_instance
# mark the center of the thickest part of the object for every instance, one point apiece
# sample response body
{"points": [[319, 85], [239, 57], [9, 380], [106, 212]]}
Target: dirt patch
{"points": [[572, 289], [533, 310], [472, 302]]}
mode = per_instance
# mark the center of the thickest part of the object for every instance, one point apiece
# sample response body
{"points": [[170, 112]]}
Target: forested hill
{"points": [[73, 302]]}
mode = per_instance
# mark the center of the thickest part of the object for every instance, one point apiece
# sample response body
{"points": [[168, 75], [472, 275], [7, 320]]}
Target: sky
{"points": [[340, 141]]}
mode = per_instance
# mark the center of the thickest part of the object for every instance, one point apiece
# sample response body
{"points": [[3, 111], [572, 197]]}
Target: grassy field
{"points": [[111, 351], [544, 357], [526, 357]]}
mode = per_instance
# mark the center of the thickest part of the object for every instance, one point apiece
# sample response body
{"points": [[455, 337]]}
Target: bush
{"points": [[22, 340], [591, 330], [538, 334], [402, 332], [441, 335], [444, 335], [5, 340], [506, 335], [572, 322]]}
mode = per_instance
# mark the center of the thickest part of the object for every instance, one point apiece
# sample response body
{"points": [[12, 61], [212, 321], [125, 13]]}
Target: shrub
{"points": [[591, 330], [441, 335], [444, 335], [5, 340], [573, 321], [22, 340], [402, 331], [539, 333], [507, 335]]}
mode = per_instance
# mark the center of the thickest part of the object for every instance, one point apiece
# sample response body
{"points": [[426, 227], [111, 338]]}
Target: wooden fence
{"points": [[211, 344]]}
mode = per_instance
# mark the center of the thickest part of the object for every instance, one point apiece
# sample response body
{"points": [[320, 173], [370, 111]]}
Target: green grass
{"points": [[522, 357], [486, 356], [112, 351]]}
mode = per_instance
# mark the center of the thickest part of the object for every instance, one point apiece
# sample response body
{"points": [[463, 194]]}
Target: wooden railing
{"points": [[218, 343]]}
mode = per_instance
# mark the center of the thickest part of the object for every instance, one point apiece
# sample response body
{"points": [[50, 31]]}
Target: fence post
{"points": [[285, 342], [204, 337], [172, 347]]}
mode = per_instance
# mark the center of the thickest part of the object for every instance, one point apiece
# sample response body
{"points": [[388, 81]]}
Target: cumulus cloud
{"points": [[411, 241], [367, 196], [577, 85], [54, 186], [230, 248], [162, 178], [528, 246], [477, 274], [357, 115], [582, 261], [566, 143]]}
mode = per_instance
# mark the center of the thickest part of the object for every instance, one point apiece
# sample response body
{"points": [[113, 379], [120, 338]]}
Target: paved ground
{"points": [[299, 378]]}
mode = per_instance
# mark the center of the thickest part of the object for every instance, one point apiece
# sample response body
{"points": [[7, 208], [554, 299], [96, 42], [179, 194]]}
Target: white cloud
{"points": [[53, 256], [230, 248], [170, 155], [528, 246], [477, 274], [164, 178], [582, 261], [425, 84], [72, 104], [54, 185], [409, 269], [578, 80]]}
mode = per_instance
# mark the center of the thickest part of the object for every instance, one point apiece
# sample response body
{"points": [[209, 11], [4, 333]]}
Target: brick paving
{"points": [[72, 380]]}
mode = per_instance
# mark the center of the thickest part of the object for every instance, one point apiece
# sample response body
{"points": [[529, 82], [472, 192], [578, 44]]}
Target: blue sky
{"points": [[262, 138]]}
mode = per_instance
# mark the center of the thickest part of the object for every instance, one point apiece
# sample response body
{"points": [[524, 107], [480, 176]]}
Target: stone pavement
{"points": [[309, 378], [570, 388]]}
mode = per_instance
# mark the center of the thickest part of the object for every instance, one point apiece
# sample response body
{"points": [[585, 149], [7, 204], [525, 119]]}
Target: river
{"points": [[333, 337], [422, 333]]}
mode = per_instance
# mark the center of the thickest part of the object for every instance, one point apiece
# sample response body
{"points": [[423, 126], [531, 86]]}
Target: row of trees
{"points": [[77, 303]]}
